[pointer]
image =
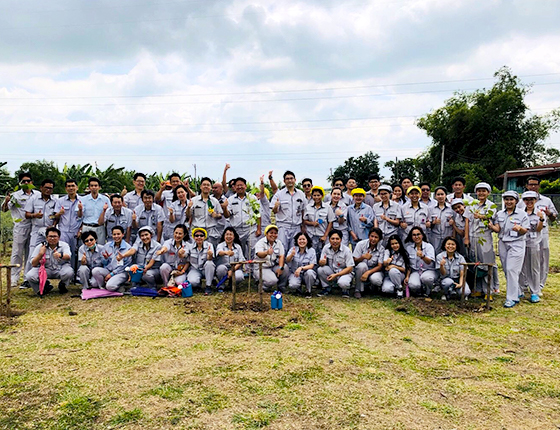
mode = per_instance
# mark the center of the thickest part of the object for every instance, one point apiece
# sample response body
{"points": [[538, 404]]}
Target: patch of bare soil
{"points": [[13, 312], [439, 308]]}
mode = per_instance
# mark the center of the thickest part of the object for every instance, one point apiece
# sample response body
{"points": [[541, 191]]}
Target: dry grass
{"points": [[328, 363]]}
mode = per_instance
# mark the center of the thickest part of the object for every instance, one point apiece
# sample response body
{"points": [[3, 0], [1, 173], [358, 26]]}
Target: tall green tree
{"points": [[358, 167], [493, 129], [402, 168]]}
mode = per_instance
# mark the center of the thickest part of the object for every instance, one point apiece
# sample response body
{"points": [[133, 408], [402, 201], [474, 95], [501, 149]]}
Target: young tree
{"points": [[401, 168], [490, 128], [358, 167]]}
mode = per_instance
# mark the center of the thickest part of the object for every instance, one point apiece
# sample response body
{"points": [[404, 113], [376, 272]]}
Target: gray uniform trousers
{"points": [[286, 235], [64, 273], [416, 281], [309, 278], [165, 273], [344, 281], [448, 285], [393, 281], [72, 241], [269, 277], [544, 253], [531, 272], [151, 277], [194, 275], [222, 271], [375, 279], [512, 254], [113, 284], [84, 275], [20, 250]]}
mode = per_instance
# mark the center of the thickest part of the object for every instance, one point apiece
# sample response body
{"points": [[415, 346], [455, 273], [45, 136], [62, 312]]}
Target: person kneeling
{"points": [[147, 258], [112, 275], [229, 251], [56, 256], [271, 250], [201, 258], [451, 268], [90, 257], [336, 265], [301, 261]]}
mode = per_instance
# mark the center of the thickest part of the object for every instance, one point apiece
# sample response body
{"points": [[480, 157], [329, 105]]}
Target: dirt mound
{"points": [[439, 308]]}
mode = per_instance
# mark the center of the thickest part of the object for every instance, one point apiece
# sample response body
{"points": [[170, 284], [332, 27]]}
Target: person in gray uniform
{"points": [[89, 257], [340, 211], [40, 210], [177, 211], [204, 212], [21, 233], [440, 220], [271, 250], [117, 214], [458, 186], [388, 214], [422, 257], [57, 262], [415, 213], [452, 271], [397, 266], [146, 257], [201, 259], [149, 214], [511, 224], [229, 251], [531, 271], [301, 260], [112, 276], [345, 198], [425, 197], [368, 258], [67, 220], [461, 225], [336, 265], [244, 215], [134, 198], [318, 219], [289, 205], [174, 256], [360, 217]]}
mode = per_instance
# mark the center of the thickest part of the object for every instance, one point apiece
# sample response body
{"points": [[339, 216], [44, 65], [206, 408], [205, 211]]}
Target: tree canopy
{"points": [[359, 168]]}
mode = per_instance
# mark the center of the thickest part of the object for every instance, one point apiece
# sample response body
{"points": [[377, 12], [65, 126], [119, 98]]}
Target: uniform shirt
{"points": [[291, 208], [377, 253], [241, 211], [171, 257], [92, 208], [223, 222], [16, 205], [143, 256], [370, 198], [265, 212], [361, 229], [198, 257], [93, 257], [262, 245], [416, 263], [392, 211], [430, 203], [228, 259], [344, 217], [38, 204], [478, 228], [506, 223], [149, 218], [452, 265], [111, 263], [464, 197], [323, 215], [302, 259], [52, 263], [346, 199], [201, 217], [69, 220], [398, 259], [124, 219], [180, 213], [461, 223], [542, 204], [337, 260], [415, 217], [132, 199], [166, 200], [445, 214], [533, 237]]}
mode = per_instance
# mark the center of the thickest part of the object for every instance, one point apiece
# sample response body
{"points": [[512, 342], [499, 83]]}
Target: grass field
{"points": [[324, 363]]}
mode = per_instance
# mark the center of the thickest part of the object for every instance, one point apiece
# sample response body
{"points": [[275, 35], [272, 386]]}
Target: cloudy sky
{"points": [[165, 85]]}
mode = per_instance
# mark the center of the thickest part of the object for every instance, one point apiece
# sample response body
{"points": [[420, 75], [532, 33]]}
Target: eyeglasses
{"points": [[416, 234], [91, 239], [425, 189], [52, 237], [25, 181], [198, 235], [306, 185]]}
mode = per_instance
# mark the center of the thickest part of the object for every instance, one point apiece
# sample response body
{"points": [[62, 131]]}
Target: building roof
{"points": [[542, 170]]}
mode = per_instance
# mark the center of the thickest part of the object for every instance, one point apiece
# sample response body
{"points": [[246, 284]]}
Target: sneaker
{"points": [[24, 285], [357, 295], [345, 294], [444, 298], [509, 304], [308, 295], [535, 298], [521, 296], [207, 291], [399, 294], [62, 288], [46, 290], [220, 290], [476, 294], [323, 293]]}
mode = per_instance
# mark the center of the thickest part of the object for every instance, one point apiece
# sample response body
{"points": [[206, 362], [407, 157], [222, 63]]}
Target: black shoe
{"points": [[62, 288], [46, 289], [24, 285]]}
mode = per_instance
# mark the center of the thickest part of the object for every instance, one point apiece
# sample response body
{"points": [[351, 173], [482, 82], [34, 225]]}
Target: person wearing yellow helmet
{"points": [[201, 258], [271, 250], [360, 217], [415, 213]]}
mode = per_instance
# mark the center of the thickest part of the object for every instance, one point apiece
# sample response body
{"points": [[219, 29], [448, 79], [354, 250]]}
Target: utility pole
{"points": [[441, 168], [396, 170]]}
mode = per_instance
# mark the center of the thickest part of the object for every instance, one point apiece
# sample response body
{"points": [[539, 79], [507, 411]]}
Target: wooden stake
{"points": [[261, 284]]}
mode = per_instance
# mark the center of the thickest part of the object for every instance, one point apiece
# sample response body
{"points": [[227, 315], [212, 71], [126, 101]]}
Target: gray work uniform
{"points": [[430, 203], [201, 217], [112, 219], [440, 231], [92, 209], [56, 268], [171, 260], [392, 211], [453, 267], [511, 246], [199, 262], [413, 217], [269, 278], [290, 214], [93, 259], [180, 214], [482, 247], [370, 198], [341, 221], [336, 262], [132, 199], [150, 218], [393, 280], [143, 256], [113, 267], [224, 262], [345, 198], [460, 223], [241, 211], [531, 271], [39, 226], [69, 224], [21, 233], [464, 197], [360, 228], [421, 274], [308, 276], [223, 222], [323, 215], [377, 254]]}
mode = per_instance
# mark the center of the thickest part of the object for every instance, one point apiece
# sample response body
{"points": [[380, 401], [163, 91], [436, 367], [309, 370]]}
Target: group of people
{"points": [[393, 239]]}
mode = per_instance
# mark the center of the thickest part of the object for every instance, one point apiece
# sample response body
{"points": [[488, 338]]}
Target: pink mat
{"points": [[97, 293]]}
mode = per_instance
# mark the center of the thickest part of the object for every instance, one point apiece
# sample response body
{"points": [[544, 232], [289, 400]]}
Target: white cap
{"points": [[530, 195], [483, 185], [385, 188], [456, 202], [511, 193]]}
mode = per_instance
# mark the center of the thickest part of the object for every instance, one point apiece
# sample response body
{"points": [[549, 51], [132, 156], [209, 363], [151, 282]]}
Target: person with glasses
{"points": [[117, 214], [134, 198], [89, 256], [112, 276], [421, 254], [67, 220], [425, 197], [201, 258], [57, 262], [40, 210], [372, 196], [21, 233], [545, 205], [307, 185]]}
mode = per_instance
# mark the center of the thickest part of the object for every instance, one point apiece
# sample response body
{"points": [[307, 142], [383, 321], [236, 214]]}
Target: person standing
{"points": [[388, 214], [21, 233], [458, 186], [289, 205], [90, 208], [67, 220], [360, 217], [117, 214], [204, 212], [440, 220], [372, 196], [242, 208], [415, 213], [318, 219], [149, 214]]}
